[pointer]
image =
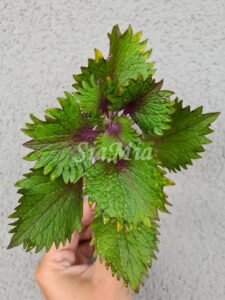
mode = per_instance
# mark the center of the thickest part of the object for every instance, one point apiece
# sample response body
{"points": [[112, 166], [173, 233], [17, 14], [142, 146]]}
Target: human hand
{"points": [[65, 274]]}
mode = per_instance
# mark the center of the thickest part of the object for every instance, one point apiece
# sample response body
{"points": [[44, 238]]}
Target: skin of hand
{"points": [[65, 274]]}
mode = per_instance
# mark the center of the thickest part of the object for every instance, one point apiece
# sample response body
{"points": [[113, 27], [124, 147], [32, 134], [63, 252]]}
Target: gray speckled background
{"points": [[42, 43]]}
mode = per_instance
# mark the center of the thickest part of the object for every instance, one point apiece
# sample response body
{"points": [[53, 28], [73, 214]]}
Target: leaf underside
{"points": [[109, 140]]}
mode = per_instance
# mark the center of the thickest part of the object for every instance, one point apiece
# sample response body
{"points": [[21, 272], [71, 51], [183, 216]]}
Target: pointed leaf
{"points": [[148, 106], [129, 252], [89, 97], [127, 56], [96, 67], [48, 212], [153, 114], [129, 191], [63, 145], [182, 143]]}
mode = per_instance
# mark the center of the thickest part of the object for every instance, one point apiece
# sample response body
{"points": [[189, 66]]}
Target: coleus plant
{"points": [[111, 139]]}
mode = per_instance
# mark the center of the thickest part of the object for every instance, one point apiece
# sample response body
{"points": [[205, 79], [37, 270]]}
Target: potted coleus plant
{"points": [[111, 139]]}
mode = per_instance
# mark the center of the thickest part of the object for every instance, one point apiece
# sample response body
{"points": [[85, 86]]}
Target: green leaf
{"points": [[61, 142], [129, 191], [109, 148], [183, 142], [127, 56], [96, 67], [153, 113], [129, 252], [89, 97], [149, 106], [92, 85], [132, 93], [48, 212], [116, 140]]}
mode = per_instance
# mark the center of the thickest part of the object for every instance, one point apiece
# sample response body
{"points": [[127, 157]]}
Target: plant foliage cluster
{"points": [[115, 101]]}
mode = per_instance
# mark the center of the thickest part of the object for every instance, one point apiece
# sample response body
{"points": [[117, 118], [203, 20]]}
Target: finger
{"points": [[75, 238], [88, 214], [63, 256], [86, 234], [85, 249], [74, 242], [71, 245], [59, 260], [81, 260], [82, 269]]}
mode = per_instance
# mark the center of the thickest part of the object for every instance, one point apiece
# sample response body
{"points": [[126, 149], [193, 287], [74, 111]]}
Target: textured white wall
{"points": [[42, 43]]}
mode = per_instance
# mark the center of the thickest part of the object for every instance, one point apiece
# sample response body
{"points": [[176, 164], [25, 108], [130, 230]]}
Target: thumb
{"points": [[59, 258]]}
